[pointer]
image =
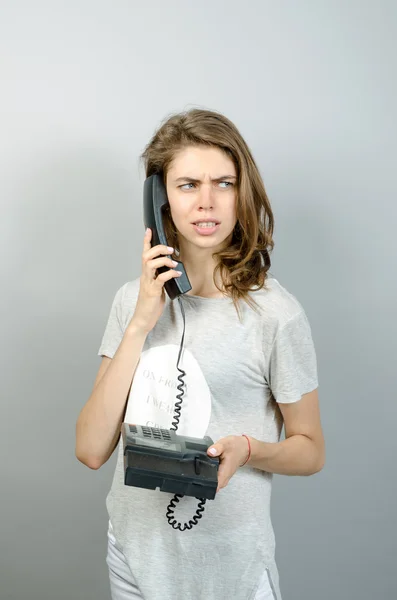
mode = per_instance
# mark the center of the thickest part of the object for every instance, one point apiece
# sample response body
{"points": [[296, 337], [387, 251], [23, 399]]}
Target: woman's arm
{"points": [[303, 450], [99, 423], [301, 453]]}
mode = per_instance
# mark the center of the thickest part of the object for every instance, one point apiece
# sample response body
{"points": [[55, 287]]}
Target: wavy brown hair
{"points": [[244, 264]]}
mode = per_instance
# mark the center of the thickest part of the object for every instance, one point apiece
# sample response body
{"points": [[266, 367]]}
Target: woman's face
{"points": [[201, 189]]}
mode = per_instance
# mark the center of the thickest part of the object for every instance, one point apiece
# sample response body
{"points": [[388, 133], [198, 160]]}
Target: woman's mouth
{"points": [[206, 227]]}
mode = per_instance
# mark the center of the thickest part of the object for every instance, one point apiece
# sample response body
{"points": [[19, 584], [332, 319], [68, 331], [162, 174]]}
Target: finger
{"points": [[166, 276], [156, 251], [147, 238], [224, 475], [163, 261], [222, 485], [216, 449]]}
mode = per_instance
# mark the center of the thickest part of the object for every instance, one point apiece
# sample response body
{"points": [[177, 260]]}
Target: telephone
{"points": [[159, 458], [184, 466], [154, 202]]}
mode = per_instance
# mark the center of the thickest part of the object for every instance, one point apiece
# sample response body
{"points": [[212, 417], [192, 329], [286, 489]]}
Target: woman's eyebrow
{"points": [[194, 180]]}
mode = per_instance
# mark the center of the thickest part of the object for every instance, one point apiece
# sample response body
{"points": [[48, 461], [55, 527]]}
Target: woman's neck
{"points": [[200, 271]]}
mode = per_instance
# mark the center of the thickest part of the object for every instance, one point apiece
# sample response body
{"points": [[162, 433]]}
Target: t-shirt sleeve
{"points": [[293, 361], [114, 329]]}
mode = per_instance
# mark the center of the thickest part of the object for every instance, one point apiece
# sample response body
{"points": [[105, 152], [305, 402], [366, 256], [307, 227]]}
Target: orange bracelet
{"points": [[249, 449]]}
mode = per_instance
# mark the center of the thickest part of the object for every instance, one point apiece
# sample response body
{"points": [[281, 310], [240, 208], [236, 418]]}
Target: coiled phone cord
{"points": [[175, 424]]}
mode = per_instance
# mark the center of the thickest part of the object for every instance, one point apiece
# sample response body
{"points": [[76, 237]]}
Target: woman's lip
{"points": [[205, 230]]}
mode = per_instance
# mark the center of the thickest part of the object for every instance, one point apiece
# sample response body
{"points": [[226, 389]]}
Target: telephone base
{"points": [[159, 458]]}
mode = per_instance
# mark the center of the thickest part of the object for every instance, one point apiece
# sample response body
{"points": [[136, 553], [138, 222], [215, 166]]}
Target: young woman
{"points": [[250, 367]]}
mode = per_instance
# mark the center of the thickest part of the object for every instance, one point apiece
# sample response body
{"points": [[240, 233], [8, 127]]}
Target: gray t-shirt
{"points": [[236, 374]]}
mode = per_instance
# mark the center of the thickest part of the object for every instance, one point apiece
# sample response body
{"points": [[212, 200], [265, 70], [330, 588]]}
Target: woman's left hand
{"points": [[232, 452]]}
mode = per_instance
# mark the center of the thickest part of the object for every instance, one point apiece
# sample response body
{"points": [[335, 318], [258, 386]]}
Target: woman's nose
{"points": [[206, 198]]}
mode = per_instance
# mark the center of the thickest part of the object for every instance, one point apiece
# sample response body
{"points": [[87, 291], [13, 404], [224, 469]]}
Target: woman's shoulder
{"points": [[277, 302], [127, 294], [131, 288]]}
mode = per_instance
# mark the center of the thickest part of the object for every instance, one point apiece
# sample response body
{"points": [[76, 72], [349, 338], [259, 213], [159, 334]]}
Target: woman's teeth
{"points": [[209, 224]]}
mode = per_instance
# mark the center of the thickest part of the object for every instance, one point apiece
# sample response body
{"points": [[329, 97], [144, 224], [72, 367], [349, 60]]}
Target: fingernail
{"points": [[170, 250], [212, 451], [175, 262]]}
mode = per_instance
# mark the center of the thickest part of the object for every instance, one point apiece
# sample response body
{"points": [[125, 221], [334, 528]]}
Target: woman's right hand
{"points": [[151, 297]]}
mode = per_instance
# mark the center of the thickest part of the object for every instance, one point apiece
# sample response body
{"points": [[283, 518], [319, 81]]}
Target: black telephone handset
{"points": [[155, 200]]}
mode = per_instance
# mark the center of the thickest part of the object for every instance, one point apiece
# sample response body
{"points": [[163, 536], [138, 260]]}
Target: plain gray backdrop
{"points": [[312, 87]]}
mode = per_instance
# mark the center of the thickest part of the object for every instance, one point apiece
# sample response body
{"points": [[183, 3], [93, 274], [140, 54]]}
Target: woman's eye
{"points": [[189, 186]]}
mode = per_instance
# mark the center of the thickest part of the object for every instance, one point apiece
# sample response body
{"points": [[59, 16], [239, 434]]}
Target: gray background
{"points": [[311, 86]]}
